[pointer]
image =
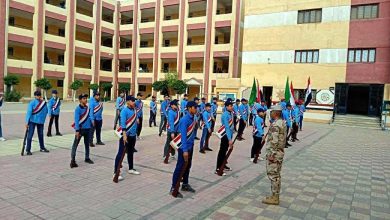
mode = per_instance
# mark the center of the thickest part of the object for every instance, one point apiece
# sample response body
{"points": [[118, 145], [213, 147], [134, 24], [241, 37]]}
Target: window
{"points": [[188, 66], [60, 83], [306, 56], [60, 59], [10, 51], [61, 32], [364, 11], [144, 44], [167, 43], [361, 55], [11, 21], [310, 16], [189, 41], [46, 29], [141, 88]]}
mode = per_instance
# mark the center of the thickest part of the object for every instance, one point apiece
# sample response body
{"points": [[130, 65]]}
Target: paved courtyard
{"points": [[331, 173]]}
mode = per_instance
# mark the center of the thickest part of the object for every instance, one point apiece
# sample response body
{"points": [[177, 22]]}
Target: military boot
{"points": [[272, 200]]}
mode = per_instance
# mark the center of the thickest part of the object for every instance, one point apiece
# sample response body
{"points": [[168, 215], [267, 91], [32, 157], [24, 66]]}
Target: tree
{"points": [[94, 86], [171, 82], [161, 86], [76, 85], [10, 81], [43, 84], [106, 87], [124, 87]]}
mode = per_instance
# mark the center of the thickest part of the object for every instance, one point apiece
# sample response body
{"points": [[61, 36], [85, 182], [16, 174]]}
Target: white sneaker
{"points": [[134, 172], [223, 174], [120, 177], [252, 159], [261, 159], [173, 157], [2, 139]]}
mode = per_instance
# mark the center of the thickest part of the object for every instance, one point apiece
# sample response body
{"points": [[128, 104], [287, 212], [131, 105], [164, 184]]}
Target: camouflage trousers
{"points": [[274, 167]]}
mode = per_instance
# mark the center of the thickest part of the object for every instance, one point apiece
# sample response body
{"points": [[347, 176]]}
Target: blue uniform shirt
{"points": [[296, 114], [120, 103], [202, 106], [153, 106], [214, 108], [173, 115], [258, 128], [244, 111], [264, 107], [183, 106], [236, 109], [96, 110], [164, 108], [256, 107], [287, 117], [187, 143], [207, 119], [302, 109], [36, 112], [53, 106], [126, 114], [79, 113], [139, 105], [226, 116]]}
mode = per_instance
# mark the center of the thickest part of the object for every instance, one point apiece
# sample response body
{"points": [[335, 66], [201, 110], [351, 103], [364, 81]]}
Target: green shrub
{"points": [[12, 96]]}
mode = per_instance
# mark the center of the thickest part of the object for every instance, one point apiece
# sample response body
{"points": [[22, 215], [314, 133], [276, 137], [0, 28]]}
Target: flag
{"points": [[252, 98], [308, 95], [259, 95], [287, 94], [292, 98]]}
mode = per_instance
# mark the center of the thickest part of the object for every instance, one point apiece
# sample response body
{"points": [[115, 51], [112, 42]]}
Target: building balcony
{"points": [[11, 62], [108, 50], [126, 51], [224, 7], [196, 20], [223, 17], [54, 67], [197, 9], [27, 2], [86, 18], [83, 44], [127, 27], [195, 48], [147, 25], [222, 47], [124, 75], [19, 30], [108, 25], [172, 49], [106, 73], [54, 38], [146, 50], [85, 71], [170, 22], [56, 9]]}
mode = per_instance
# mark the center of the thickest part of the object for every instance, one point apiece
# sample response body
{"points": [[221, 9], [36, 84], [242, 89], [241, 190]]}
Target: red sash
{"points": [[122, 102], [39, 107], [55, 104], [97, 108], [129, 124], [176, 121], [83, 117], [176, 142], [222, 130]]}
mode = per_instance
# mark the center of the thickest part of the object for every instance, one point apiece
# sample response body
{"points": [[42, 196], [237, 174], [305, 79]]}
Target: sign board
{"points": [[325, 97]]}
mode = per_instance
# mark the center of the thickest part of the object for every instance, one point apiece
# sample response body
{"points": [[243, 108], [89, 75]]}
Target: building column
{"points": [[69, 58], [236, 47], [182, 30], [207, 66], [116, 45], [3, 41], [134, 62], [39, 44], [97, 29], [157, 30]]}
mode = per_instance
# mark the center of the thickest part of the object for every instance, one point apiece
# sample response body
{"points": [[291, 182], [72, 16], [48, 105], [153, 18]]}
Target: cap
{"points": [[228, 102], [229, 99], [237, 100], [196, 99], [243, 100], [185, 95], [166, 96], [54, 91], [96, 93], [215, 98], [260, 110], [173, 102], [139, 94], [153, 97], [288, 105], [276, 108], [262, 100], [37, 93], [191, 104], [207, 105], [82, 95], [203, 98], [130, 98]]}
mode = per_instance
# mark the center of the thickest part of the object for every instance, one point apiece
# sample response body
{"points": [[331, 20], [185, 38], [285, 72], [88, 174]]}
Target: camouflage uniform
{"points": [[275, 152]]}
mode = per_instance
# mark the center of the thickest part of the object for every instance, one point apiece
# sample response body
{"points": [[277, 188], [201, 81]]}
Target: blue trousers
{"points": [[179, 167], [129, 150], [204, 141], [98, 129], [31, 128], [300, 122]]}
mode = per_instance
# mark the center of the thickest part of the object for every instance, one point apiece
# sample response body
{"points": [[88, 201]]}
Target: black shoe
{"points": [[293, 140], [288, 144], [135, 150], [196, 138], [179, 195], [208, 149], [285, 146], [44, 150], [91, 145], [159, 134], [89, 161], [202, 151], [73, 164], [100, 143], [187, 188], [228, 168], [49, 134], [58, 134], [29, 153]]}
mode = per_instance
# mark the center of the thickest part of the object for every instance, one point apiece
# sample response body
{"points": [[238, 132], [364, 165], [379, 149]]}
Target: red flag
{"points": [[259, 95], [292, 92]]}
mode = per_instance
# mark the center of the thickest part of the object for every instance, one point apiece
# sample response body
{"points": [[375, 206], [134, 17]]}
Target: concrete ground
{"points": [[331, 173]]}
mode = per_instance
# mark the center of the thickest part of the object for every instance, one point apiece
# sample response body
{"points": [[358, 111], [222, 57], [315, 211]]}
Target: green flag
{"points": [[252, 98], [287, 92]]}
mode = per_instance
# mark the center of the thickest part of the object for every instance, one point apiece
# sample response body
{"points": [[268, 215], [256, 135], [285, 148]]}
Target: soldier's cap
{"points": [[96, 93], [238, 100], [207, 105], [191, 104], [196, 99], [37, 93], [82, 95], [260, 110], [130, 98], [54, 91], [139, 94], [276, 108], [173, 102], [228, 102]]}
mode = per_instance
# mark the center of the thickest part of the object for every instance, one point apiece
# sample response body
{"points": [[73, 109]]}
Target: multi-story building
{"points": [[128, 41], [343, 46]]}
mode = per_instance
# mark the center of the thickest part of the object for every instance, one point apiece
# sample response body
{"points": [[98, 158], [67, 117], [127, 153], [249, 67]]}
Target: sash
{"points": [[153, 108], [141, 106], [83, 118], [55, 104], [222, 130], [176, 121], [121, 103], [97, 108], [129, 124], [203, 123], [176, 142], [39, 107]]}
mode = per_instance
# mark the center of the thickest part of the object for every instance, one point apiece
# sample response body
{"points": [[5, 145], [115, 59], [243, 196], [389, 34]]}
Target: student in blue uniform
{"points": [[244, 111], [35, 117], [265, 108], [153, 112], [129, 123], [139, 105], [119, 104], [172, 126], [214, 109], [258, 134], [256, 106], [295, 122], [54, 106], [236, 113], [82, 126], [286, 115], [185, 152], [207, 119], [183, 104], [164, 114], [197, 117], [302, 110], [227, 139], [96, 112], [202, 105]]}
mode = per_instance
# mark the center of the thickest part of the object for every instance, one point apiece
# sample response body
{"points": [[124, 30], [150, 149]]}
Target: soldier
{"points": [[183, 104], [139, 106], [243, 118], [54, 106], [185, 152], [35, 117], [207, 118], [96, 113], [258, 134], [164, 114], [129, 122], [236, 113], [275, 153], [82, 125], [120, 103], [172, 126], [153, 112]]}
